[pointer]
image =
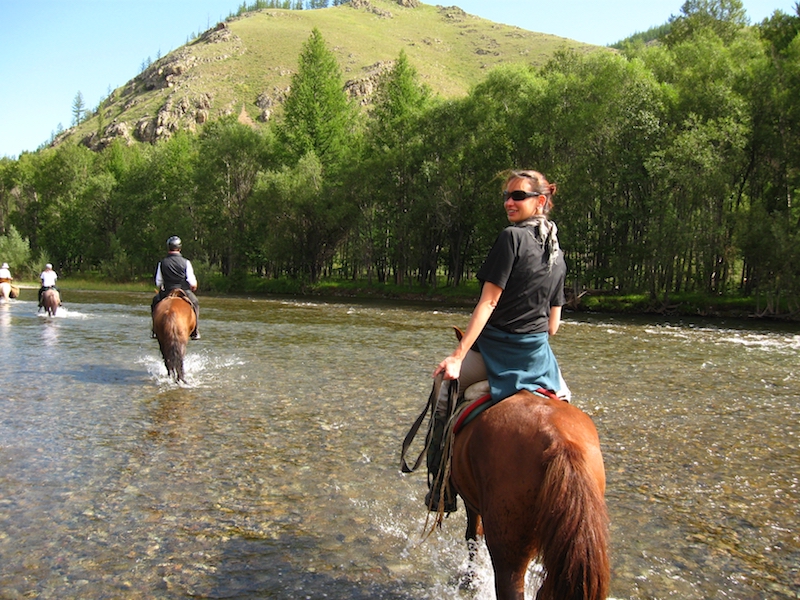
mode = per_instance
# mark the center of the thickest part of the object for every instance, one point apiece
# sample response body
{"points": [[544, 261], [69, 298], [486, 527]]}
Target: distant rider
{"points": [[5, 274], [48, 278], [5, 282], [175, 272]]}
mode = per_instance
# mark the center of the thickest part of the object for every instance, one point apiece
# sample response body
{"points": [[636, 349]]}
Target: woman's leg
{"points": [[473, 370]]}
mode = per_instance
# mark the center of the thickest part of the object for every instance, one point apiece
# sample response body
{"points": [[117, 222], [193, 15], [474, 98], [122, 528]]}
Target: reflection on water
{"points": [[273, 472], [5, 316]]}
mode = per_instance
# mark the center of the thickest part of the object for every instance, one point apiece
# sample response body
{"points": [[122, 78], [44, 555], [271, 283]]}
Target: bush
{"points": [[16, 251]]}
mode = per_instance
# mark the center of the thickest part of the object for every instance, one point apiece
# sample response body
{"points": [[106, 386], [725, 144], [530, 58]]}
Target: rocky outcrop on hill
{"points": [[186, 112], [452, 13], [361, 89], [183, 108], [367, 6], [165, 72], [97, 141], [168, 71], [267, 101]]}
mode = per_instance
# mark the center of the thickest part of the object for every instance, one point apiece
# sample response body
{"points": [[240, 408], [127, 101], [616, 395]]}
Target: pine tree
{"points": [[318, 117], [78, 109]]}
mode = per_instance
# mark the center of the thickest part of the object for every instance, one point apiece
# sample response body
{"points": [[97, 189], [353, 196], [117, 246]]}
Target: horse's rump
{"points": [[532, 469], [173, 321], [51, 300]]}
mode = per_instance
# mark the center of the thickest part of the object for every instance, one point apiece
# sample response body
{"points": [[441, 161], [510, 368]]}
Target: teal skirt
{"points": [[517, 362]]}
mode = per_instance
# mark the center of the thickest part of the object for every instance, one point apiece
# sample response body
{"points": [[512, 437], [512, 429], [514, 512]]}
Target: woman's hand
{"points": [[490, 296], [450, 366]]}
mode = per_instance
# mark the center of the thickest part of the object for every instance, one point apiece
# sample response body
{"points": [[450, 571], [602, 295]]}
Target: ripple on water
{"points": [[274, 471]]}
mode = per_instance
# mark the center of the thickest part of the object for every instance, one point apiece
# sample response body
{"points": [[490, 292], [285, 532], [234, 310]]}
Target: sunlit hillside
{"points": [[244, 66]]}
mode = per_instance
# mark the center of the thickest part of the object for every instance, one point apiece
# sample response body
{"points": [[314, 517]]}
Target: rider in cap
{"points": [[175, 272]]}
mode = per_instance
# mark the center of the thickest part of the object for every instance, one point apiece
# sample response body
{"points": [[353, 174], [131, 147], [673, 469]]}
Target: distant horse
{"points": [[531, 475], [173, 322], [5, 291], [51, 300]]}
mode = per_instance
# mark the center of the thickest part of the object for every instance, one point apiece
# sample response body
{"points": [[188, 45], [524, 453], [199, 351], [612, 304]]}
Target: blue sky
{"points": [[52, 49]]}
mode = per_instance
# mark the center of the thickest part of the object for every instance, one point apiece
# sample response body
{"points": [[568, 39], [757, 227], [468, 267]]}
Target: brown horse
{"points": [[173, 322], [51, 300], [531, 474]]}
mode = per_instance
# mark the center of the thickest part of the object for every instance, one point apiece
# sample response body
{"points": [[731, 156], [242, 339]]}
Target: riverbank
{"points": [[466, 295]]}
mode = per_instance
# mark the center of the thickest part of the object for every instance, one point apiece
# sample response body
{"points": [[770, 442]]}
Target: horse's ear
{"points": [[458, 332]]}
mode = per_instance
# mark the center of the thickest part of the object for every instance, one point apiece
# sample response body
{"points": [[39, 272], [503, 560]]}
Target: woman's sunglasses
{"points": [[519, 195]]}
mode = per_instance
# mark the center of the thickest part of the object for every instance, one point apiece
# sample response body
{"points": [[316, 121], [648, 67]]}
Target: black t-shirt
{"points": [[518, 263]]}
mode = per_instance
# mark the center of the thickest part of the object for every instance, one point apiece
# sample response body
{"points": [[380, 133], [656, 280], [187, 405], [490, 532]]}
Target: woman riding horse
{"points": [[522, 294], [529, 468]]}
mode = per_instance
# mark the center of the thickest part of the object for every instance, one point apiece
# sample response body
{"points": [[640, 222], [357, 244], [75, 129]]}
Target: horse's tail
{"points": [[173, 346], [573, 527]]}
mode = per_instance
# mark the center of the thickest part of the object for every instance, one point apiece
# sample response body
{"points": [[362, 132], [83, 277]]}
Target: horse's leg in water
{"points": [[511, 553], [474, 530]]}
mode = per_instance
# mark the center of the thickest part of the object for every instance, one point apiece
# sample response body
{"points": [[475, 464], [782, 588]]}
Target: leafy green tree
{"points": [[319, 128], [153, 200], [768, 219], [229, 159], [708, 153], [391, 181], [51, 183], [16, 251], [725, 17], [8, 180], [303, 219], [462, 166]]}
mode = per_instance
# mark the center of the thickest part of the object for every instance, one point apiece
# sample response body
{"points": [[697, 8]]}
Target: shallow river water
{"points": [[274, 471]]}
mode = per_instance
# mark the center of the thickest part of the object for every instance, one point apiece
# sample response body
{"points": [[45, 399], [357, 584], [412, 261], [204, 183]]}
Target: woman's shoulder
{"points": [[512, 231]]}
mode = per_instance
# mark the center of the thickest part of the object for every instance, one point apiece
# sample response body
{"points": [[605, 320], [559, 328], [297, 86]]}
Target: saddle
{"points": [[462, 409], [178, 293]]}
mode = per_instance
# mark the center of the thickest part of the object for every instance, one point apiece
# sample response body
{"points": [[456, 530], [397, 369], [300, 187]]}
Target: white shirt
{"points": [[48, 278], [5, 274]]}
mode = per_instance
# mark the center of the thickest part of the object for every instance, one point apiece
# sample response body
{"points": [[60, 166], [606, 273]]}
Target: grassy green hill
{"points": [[244, 66]]}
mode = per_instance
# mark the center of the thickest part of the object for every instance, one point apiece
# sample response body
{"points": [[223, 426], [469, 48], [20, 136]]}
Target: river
{"points": [[274, 471]]}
